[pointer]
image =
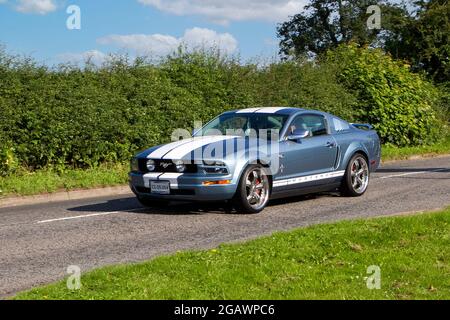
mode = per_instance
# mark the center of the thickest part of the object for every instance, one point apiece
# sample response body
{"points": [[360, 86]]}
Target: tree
{"points": [[425, 41], [325, 24]]}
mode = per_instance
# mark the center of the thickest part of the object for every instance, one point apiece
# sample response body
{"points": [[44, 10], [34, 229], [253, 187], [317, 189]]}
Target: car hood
{"points": [[207, 147]]}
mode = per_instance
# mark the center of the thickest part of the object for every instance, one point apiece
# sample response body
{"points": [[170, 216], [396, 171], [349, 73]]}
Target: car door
{"points": [[313, 155]]}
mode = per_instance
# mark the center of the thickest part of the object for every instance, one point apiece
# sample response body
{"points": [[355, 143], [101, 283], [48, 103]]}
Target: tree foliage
{"points": [[425, 39], [325, 24], [417, 32]]}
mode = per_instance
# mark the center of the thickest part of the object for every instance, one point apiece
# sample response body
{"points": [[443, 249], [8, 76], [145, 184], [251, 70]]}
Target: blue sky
{"points": [[38, 27]]}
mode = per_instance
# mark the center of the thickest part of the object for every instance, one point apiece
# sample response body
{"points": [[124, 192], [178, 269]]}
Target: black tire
{"points": [[355, 184], [261, 184], [152, 203]]}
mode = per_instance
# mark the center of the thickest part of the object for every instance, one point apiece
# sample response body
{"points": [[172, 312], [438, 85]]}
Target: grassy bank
{"points": [[48, 181], [396, 153], [320, 262]]}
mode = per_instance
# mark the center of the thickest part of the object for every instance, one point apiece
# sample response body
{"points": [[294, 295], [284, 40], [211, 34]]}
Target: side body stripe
{"points": [[305, 179]]}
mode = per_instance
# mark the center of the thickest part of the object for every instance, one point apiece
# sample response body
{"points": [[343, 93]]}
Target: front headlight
{"points": [[216, 170], [134, 165], [214, 163], [181, 167], [151, 166], [215, 167]]}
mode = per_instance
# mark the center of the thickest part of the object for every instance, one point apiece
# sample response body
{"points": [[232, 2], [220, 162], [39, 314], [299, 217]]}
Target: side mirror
{"points": [[299, 134]]}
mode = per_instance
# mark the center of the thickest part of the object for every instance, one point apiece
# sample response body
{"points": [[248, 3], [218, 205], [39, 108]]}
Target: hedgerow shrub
{"points": [[444, 102], [8, 160], [397, 102], [68, 116], [305, 85]]}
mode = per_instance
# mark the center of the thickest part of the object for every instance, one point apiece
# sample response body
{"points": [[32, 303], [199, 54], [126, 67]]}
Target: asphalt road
{"points": [[38, 243]]}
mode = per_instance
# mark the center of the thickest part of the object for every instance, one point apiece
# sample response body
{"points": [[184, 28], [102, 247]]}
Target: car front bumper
{"points": [[183, 187]]}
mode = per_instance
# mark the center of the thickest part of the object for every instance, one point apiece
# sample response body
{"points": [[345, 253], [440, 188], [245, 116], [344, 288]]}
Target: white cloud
{"points": [[271, 42], [141, 43], [35, 6], [160, 44], [94, 56], [222, 11]]}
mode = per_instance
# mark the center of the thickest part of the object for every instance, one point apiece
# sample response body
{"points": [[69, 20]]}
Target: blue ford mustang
{"points": [[250, 156]]}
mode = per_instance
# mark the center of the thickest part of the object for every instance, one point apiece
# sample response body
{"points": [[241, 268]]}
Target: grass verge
{"points": [[396, 153], [48, 181], [320, 262]]}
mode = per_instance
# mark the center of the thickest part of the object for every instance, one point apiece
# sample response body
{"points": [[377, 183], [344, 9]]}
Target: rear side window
{"points": [[340, 125]]}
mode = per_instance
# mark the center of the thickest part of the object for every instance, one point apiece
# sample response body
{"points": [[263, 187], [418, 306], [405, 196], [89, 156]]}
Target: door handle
{"points": [[331, 144]]}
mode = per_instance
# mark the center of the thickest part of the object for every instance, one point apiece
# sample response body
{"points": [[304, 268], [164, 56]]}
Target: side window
{"points": [[340, 125], [316, 124], [233, 123]]}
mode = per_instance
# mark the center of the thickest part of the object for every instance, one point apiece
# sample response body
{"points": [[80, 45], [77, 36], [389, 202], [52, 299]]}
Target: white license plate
{"points": [[160, 187]]}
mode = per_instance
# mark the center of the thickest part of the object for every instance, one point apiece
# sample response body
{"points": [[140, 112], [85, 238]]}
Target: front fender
{"points": [[242, 162]]}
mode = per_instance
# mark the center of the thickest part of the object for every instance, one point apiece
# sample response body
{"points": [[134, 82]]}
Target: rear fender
{"points": [[354, 147]]}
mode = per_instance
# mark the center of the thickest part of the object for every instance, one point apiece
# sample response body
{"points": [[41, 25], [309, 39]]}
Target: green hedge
{"points": [[401, 105], [70, 117]]}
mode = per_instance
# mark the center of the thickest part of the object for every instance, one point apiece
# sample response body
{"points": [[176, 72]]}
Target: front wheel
{"points": [[357, 175], [253, 190]]}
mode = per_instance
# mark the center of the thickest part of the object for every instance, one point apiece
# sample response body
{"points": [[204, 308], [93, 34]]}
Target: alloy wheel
{"points": [[257, 188]]}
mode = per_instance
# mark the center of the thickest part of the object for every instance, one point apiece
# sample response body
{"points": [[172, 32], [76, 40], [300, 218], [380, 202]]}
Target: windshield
{"points": [[250, 124]]}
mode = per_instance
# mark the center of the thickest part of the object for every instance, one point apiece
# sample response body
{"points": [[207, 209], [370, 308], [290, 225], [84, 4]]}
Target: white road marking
{"points": [[86, 216], [411, 173], [76, 217]]}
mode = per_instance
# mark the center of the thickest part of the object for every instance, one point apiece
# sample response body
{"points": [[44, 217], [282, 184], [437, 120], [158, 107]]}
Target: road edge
{"points": [[59, 196]]}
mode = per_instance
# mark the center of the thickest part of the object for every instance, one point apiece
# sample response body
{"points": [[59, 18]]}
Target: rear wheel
{"points": [[357, 176], [253, 191], [152, 203]]}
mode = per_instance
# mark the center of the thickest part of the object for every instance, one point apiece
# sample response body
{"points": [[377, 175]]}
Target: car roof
{"points": [[270, 110]]}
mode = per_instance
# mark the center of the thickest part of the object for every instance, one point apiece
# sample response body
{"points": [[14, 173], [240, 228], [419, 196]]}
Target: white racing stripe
{"points": [[250, 110], [160, 152], [183, 150], [305, 179], [269, 110], [150, 177], [172, 178]]}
